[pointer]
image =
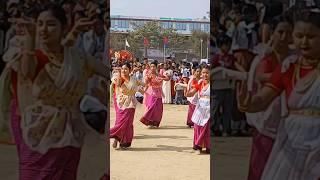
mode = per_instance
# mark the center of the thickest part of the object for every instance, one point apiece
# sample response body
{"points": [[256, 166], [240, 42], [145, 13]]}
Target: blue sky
{"points": [[161, 8]]}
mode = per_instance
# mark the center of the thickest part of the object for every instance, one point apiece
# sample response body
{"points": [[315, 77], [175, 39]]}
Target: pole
{"points": [[207, 50], [164, 52], [145, 51], [201, 49]]}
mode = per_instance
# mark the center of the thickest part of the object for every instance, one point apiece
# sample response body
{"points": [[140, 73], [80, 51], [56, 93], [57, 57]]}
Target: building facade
{"points": [[125, 24]]}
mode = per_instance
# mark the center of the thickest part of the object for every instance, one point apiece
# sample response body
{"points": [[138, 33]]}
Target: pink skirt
{"points": [[201, 136], [190, 113], [59, 163], [260, 151], [154, 111], [145, 99], [123, 128]]}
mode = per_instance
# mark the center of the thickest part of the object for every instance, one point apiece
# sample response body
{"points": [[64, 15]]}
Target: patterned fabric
{"points": [[201, 114], [54, 120]]}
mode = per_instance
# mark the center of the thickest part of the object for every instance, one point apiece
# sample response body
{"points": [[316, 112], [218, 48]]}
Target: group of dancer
{"points": [[124, 88], [280, 95]]}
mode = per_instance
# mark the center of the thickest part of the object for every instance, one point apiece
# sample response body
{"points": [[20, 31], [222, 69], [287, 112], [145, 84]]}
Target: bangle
{"points": [[71, 36], [243, 109]]}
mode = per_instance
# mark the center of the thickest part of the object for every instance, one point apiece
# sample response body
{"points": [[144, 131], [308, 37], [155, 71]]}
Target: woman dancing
{"points": [[266, 123], [153, 102], [201, 115], [193, 100], [296, 150], [50, 130], [126, 87]]}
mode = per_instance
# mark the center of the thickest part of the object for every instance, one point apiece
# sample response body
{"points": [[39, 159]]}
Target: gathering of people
{"points": [[154, 84], [53, 82], [262, 80], [265, 75]]}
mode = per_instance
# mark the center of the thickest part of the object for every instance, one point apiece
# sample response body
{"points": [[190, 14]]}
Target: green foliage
{"points": [[155, 34], [196, 42]]}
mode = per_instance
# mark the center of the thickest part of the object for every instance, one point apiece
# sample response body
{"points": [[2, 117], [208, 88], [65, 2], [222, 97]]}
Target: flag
{"points": [[127, 44], [145, 41]]}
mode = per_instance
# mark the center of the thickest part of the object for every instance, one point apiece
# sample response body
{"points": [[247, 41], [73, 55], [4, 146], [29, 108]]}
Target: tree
{"points": [[196, 42], [117, 41], [155, 34]]}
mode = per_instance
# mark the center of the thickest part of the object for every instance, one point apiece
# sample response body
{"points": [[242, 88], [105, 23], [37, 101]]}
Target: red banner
{"points": [[146, 41], [165, 40]]}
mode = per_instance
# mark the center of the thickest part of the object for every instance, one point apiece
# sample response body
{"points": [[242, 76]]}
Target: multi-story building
{"points": [[125, 24]]}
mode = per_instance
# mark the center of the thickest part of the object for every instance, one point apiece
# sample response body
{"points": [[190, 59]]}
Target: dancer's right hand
{"points": [[243, 97], [83, 24], [28, 24]]}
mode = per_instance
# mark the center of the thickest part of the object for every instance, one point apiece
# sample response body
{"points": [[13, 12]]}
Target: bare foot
{"points": [[115, 144]]}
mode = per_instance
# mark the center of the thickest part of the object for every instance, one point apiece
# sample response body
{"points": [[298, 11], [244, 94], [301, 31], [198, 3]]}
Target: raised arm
{"points": [[239, 67], [191, 92], [255, 103], [98, 67], [28, 60], [78, 27], [195, 87]]}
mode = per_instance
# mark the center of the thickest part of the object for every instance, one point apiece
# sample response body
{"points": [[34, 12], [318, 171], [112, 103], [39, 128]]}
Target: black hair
{"points": [[250, 12], [155, 62], [308, 17], [280, 19], [223, 39], [71, 2], [196, 67], [57, 11], [204, 66], [273, 8], [126, 63]]}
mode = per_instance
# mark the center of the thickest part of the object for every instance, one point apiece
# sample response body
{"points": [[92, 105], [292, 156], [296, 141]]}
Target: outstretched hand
{"points": [[28, 25], [83, 24]]}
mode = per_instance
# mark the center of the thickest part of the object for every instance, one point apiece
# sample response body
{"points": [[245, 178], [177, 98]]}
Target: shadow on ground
{"points": [[174, 127], [160, 148], [143, 136]]}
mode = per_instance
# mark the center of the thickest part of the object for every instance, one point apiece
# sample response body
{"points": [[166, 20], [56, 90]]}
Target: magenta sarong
{"points": [[123, 128], [154, 111], [191, 109], [260, 151], [59, 163], [201, 137]]}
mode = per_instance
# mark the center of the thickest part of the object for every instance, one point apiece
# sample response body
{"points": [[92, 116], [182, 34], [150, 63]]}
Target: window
{"points": [[140, 23], [113, 23], [181, 26], [167, 25], [123, 24], [206, 27], [195, 26]]}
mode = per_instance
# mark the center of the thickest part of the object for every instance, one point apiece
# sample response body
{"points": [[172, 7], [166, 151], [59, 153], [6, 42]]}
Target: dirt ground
{"points": [[230, 158], [160, 154]]}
